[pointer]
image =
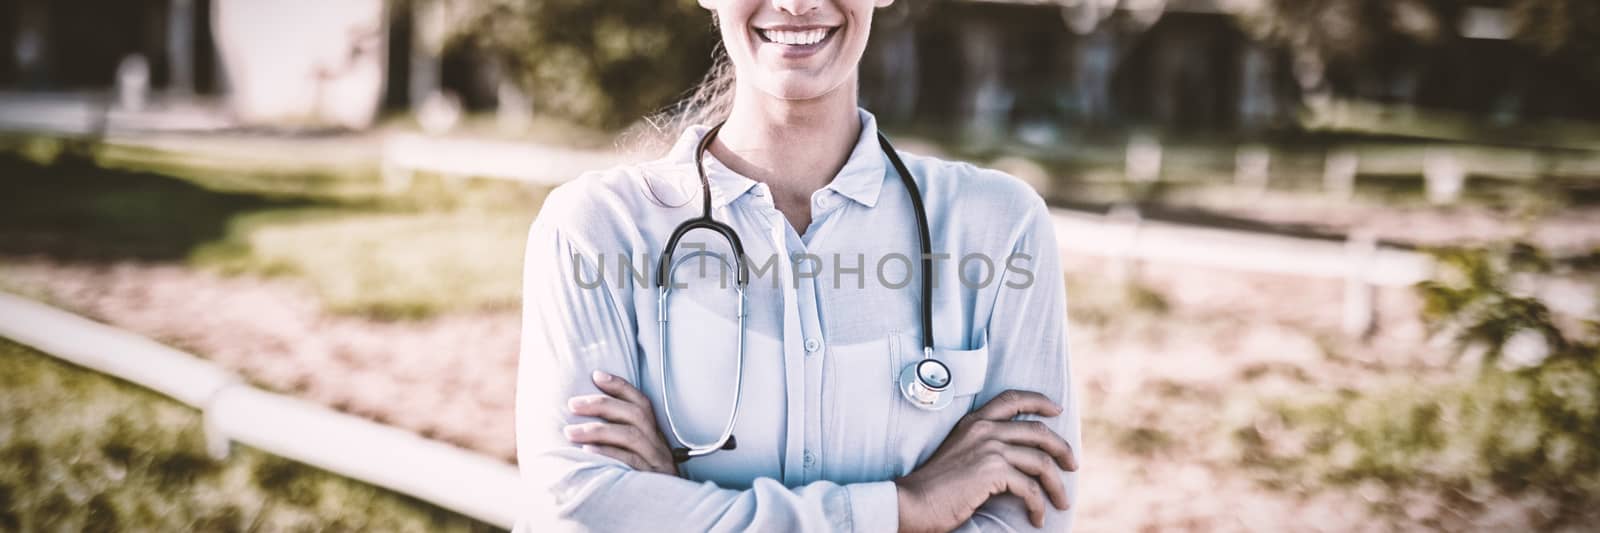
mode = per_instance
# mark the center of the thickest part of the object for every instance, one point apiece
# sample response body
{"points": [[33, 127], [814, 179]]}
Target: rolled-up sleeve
{"points": [[572, 326], [1028, 347]]}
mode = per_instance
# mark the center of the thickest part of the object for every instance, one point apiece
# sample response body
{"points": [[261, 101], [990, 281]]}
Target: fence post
{"points": [[1444, 175], [1339, 173], [514, 112], [1124, 221], [1143, 163], [1252, 168], [133, 83], [218, 445], [1360, 252]]}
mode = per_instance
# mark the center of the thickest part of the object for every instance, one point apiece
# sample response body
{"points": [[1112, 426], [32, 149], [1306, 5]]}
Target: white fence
{"points": [[404, 154], [450, 477], [1359, 261], [79, 114]]}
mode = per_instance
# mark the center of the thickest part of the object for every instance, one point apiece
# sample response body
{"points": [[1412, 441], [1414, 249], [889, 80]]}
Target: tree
{"points": [[1567, 30], [603, 64]]}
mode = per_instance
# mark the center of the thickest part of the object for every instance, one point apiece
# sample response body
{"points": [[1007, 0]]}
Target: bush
{"points": [[1502, 433]]}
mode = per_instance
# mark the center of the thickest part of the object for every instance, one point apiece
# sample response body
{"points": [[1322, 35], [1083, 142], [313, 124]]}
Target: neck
{"points": [[794, 146]]}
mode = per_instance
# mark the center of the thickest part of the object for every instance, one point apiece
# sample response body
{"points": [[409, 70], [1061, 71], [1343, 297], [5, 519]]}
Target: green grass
{"points": [[444, 247], [72, 210], [84, 452], [384, 265]]}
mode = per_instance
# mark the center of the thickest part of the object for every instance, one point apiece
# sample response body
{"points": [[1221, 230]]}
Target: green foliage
{"points": [[1474, 441], [83, 452], [601, 65], [1473, 300], [1526, 433]]}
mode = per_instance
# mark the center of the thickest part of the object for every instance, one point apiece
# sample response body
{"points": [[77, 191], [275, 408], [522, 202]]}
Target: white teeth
{"points": [[796, 38]]}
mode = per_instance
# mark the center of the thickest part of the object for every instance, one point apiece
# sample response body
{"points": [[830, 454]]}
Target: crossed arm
{"points": [[593, 459]]}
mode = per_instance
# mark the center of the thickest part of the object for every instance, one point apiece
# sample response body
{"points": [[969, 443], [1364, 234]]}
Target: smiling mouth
{"points": [[806, 37]]}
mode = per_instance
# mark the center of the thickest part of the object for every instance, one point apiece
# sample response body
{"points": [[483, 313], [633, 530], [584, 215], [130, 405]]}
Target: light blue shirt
{"points": [[833, 317]]}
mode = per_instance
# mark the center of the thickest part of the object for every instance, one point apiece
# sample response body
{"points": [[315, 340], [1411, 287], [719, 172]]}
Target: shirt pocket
{"points": [[918, 432], [858, 402]]}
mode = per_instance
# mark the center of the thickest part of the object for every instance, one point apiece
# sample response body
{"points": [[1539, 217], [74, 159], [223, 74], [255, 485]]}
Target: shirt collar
{"points": [[861, 178]]}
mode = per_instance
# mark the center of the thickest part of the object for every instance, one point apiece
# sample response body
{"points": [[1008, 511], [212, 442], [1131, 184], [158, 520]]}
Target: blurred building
{"points": [[993, 67], [1193, 64], [290, 62]]}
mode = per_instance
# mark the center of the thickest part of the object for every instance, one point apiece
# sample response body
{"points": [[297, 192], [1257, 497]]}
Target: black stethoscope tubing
{"points": [[705, 221]]}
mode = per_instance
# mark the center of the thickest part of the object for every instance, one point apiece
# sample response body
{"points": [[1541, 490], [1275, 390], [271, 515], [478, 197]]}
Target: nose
{"points": [[796, 7]]}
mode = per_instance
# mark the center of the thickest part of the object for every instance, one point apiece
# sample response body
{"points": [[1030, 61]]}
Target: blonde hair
{"points": [[708, 103]]}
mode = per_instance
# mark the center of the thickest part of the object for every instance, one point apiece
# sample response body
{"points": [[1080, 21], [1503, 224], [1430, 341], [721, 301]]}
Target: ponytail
{"points": [[708, 103]]}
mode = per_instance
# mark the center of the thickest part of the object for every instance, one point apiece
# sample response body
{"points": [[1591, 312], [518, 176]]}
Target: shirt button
{"points": [[810, 459], [824, 202], [759, 191], [813, 345]]}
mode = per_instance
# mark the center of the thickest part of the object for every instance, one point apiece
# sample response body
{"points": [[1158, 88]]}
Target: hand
{"points": [[988, 453], [629, 433]]}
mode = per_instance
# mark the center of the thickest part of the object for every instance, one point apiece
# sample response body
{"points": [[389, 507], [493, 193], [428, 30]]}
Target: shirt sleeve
{"points": [[571, 326], [1028, 351]]}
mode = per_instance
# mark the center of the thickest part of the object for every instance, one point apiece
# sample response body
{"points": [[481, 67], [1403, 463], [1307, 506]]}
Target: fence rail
{"points": [[453, 478], [404, 154], [1359, 261], [1085, 233]]}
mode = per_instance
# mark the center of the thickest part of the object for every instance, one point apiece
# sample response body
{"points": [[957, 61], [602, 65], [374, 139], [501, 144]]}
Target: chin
{"points": [[799, 86]]}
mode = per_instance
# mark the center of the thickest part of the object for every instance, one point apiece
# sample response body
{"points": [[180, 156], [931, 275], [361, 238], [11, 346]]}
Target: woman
{"points": [[824, 437]]}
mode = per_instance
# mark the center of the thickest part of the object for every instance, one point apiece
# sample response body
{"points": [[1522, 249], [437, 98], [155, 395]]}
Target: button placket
{"points": [[811, 344], [803, 380]]}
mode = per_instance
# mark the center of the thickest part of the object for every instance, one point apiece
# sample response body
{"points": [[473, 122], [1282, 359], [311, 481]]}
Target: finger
{"points": [[623, 436], [620, 388], [1013, 402], [1038, 435], [611, 410], [1038, 464], [629, 458], [1027, 488]]}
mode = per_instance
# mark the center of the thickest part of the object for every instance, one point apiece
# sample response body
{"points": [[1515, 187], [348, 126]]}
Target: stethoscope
{"points": [[925, 383]]}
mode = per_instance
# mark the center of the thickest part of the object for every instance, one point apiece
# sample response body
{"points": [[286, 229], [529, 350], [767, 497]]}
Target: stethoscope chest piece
{"points": [[926, 384]]}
